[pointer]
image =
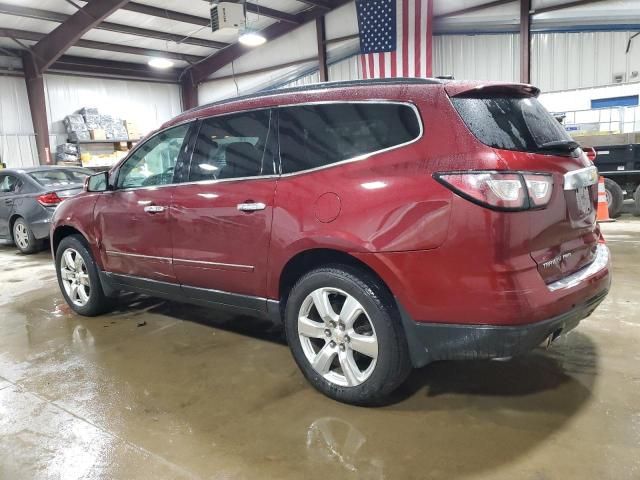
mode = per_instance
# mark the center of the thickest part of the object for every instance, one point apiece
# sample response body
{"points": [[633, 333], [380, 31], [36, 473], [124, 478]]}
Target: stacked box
{"points": [[89, 111], [92, 121], [98, 134], [79, 136], [67, 153], [132, 130], [67, 148], [119, 130]]}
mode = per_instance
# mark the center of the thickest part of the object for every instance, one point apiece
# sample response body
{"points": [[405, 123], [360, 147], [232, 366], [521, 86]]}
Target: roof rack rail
{"points": [[325, 86]]}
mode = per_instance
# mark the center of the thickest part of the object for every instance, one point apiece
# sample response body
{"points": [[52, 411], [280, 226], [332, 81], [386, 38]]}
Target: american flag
{"points": [[395, 37]]}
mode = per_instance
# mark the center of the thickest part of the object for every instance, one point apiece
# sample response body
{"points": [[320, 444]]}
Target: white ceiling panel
{"points": [[143, 42], [60, 6], [29, 24]]}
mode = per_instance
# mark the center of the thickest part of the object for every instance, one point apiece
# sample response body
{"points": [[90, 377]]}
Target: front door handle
{"points": [[251, 206], [154, 209]]}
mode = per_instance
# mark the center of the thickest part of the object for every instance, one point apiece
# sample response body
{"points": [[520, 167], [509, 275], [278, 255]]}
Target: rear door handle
{"points": [[251, 206], [8, 201], [154, 209]]}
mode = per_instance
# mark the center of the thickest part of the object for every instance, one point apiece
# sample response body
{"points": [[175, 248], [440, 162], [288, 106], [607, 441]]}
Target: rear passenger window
{"points": [[233, 146], [313, 136]]}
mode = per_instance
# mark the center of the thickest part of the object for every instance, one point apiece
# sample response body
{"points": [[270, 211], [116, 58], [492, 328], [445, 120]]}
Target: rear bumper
{"points": [[429, 342], [41, 227]]}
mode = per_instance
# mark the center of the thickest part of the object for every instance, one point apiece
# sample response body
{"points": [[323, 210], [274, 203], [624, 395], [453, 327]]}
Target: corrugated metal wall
{"points": [[146, 103], [477, 57], [17, 140], [563, 61], [346, 69]]}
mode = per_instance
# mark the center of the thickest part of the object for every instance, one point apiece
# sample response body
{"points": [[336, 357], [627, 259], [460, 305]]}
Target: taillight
{"points": [[508, 191], [591, 153], [49, 199]]}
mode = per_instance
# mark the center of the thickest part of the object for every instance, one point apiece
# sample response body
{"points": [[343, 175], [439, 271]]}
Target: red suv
{"points": [[386, 223]]}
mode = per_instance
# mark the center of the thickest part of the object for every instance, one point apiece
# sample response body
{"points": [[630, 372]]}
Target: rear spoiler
{"points": [[488, 89]]}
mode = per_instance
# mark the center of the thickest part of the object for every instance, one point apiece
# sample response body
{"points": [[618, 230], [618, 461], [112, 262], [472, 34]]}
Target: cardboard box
{"points": [[98, 134], [132, 130]]}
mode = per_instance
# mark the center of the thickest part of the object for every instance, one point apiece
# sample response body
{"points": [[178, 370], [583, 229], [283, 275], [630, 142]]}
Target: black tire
{"points": [[393, 363], [98, 302], [616, 195], [636, 202], [32, 244]]}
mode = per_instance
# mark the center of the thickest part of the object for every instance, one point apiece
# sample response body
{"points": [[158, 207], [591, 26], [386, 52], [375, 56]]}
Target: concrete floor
{"points": [[161, 390]]}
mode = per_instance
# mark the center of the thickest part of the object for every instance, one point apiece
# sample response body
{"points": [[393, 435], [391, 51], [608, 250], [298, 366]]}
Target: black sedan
{"points": [[28, 198]]}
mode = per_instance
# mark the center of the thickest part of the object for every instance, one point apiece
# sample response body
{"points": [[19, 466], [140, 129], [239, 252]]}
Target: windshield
{"points": [[513, 123], [59, 177]]}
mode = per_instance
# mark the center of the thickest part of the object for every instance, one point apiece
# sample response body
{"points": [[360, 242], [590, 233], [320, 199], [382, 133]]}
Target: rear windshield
{"points": [[511, 123], [59, 177]]}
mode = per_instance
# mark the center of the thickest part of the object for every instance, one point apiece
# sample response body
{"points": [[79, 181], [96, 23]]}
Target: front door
{"points": [[8, 186], [134, 220], [222, 216]]}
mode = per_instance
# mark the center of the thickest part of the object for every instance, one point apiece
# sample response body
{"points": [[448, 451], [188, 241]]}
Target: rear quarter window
{"points": [[510, 123], [313, 136]]}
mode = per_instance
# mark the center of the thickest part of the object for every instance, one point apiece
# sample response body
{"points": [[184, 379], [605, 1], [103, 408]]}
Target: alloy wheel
{"points": [[21, 235], [75, 277], [337, 337]]}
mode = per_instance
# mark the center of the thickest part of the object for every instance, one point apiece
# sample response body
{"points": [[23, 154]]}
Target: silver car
{"points": [[28, 198]]}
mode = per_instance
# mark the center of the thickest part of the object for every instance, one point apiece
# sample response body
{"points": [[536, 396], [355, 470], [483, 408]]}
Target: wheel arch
{"points": [[12, 221], [310, 259], [63, 231]]}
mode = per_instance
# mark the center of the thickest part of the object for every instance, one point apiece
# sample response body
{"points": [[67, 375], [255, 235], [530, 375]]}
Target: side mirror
{"points": [[98, 182]]}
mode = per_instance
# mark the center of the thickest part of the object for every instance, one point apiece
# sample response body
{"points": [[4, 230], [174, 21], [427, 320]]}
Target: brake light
{"points": [[507, 191], [49, 199], [591, 153]]}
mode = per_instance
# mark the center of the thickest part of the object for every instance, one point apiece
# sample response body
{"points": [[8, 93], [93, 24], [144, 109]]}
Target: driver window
{"points": [[153, 163]]}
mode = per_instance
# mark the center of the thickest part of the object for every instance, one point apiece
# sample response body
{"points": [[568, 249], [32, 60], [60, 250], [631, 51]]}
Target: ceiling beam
{"points": [[475, 8], [205, 21], [323, 5], [200, 71], [69, 63], [166, 14], [553, 8], [271, 13], [109, 47], [67, 34], [36, 13]]}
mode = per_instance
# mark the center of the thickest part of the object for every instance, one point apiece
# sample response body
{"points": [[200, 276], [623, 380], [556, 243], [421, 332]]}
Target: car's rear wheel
{"points": [[24, 238], [636, 202], [78, 278], [345, 335], [615, 197]]}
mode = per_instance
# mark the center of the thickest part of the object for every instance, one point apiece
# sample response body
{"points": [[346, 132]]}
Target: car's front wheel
{"points": [[345, 335], [78, 278]]}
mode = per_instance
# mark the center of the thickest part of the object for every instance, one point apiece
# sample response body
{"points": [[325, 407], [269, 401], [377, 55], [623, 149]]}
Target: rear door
{"points": [[133, 220], [222, 215], [562, 236]]}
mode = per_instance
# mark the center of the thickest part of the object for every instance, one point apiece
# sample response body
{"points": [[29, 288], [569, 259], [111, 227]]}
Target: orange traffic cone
{"points": [[603, 206]]}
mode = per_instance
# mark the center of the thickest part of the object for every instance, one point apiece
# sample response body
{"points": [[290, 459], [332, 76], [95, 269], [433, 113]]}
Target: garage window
{"points": [[313, 136]]}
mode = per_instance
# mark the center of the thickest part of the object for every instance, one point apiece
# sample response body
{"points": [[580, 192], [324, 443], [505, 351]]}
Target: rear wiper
{"points": [[568, 145]]}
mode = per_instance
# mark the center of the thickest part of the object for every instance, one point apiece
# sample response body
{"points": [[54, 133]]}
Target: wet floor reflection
{"points": [[196, 393]]}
